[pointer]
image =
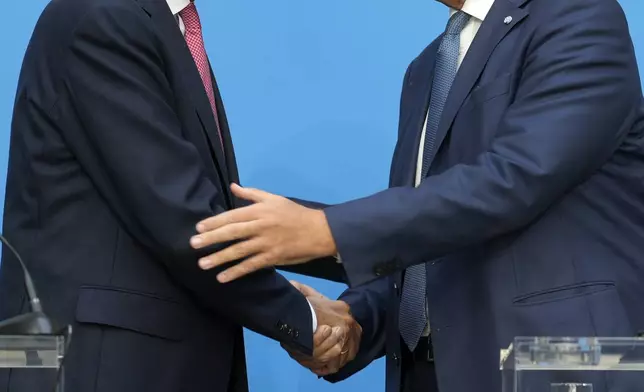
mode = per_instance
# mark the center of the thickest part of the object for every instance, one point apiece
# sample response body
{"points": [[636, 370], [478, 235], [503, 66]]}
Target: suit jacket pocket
{"points": [[138, 312], [562, 293], [583, 309]]}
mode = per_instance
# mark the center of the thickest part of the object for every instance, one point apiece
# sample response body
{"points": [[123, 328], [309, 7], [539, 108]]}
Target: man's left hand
{"points": [[273, 231]]}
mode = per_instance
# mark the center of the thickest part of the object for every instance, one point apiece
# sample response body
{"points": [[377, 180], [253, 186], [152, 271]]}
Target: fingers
{"points": [[325, 371], [326, 340], [323, 333], [232, 253], [245, 214], [246, 267], [331, 347], [250, 194], [227, 233], [327, 357], [306, 361], [317, 367], [330, 367], [340, 354]]}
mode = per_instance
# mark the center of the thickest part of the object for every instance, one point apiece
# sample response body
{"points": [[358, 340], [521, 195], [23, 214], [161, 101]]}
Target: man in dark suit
{"points": [[119, 145], [516, 204]]}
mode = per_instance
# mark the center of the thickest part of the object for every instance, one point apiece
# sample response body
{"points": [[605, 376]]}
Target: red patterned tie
{"points": [[194, 38]]}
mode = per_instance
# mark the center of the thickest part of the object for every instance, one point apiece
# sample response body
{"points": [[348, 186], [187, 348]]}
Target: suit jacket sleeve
{"points": [[128, 139], [368, 305], [578, 95]]}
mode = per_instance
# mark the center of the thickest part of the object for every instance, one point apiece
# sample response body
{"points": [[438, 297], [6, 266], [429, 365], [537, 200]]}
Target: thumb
{"points": [[297, 285], [250, 194], [307, 291]]}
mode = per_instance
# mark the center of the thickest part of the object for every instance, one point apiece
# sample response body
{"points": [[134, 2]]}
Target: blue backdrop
{"points": [[297, 77]]}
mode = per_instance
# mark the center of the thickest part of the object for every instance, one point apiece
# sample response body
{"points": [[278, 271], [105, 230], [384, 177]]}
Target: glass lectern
{"points": [[42, 353], [557, 364]]}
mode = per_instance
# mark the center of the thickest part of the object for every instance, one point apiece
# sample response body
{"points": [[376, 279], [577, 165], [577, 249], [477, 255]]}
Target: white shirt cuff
{"points": [[338, 258], [314, 317]]}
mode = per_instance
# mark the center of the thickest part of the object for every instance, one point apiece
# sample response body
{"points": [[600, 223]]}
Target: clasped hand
{"points": [[337, 338]]}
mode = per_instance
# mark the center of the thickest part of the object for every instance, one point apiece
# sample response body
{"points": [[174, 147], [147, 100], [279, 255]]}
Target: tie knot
{"points": [[190, 17], [457, 23]]}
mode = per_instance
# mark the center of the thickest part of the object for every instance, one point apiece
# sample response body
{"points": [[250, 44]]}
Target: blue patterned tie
{"points": [[413, 312]]}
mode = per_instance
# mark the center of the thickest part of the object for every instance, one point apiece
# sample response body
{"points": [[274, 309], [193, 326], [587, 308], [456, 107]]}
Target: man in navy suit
{"points": [[516, 200], [119, 145]]}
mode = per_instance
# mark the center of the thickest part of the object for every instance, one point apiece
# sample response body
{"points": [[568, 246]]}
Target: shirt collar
{"points": [[476, 8], [177, 5]]}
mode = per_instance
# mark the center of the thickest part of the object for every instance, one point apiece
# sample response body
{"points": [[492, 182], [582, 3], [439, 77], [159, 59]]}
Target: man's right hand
{"points": [[337, 339]]}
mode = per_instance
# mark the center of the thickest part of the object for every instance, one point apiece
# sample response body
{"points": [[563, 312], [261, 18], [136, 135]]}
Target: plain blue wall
{"points": [[311, 90]]}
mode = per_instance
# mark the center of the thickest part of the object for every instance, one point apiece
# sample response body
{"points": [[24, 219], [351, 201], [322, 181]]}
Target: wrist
{"points": [[353, 321], [325, 244], [344, 307]]}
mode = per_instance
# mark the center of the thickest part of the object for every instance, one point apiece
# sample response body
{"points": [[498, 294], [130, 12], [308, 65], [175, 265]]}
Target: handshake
{"points": [[274, 231], [337, 338]]}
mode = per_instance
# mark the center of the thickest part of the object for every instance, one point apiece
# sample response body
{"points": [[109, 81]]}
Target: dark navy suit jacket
{"points": [[532, 218], [115, 156]]}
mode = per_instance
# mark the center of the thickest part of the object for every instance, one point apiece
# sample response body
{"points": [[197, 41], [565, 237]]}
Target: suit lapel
{"points": [[416, 94], [171, 35], [231, 161], [503, 16]]}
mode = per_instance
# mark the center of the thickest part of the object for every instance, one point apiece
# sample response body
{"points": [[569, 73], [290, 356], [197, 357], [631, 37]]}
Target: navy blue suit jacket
{"points": [[115, 156], [532, 218]]}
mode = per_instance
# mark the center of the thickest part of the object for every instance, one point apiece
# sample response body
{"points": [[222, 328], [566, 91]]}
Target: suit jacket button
{"points": [[396, 359], [296, 334]]}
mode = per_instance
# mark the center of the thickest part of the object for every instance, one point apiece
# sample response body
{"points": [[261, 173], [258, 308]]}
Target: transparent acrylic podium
{"points": [[555, 364], [39, 353]]}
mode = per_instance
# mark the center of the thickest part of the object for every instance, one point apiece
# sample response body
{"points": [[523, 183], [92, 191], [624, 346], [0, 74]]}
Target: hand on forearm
{"points": [[337, 338], [272, 231]]}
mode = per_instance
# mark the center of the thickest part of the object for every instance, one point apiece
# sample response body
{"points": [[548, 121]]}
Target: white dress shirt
{"points": [[478, 10], [177, 6]]}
